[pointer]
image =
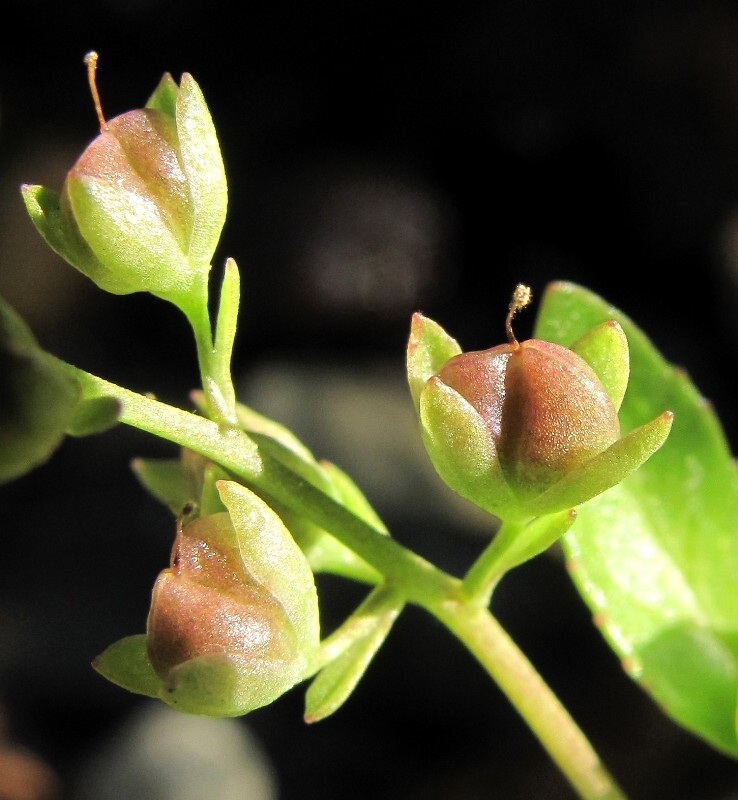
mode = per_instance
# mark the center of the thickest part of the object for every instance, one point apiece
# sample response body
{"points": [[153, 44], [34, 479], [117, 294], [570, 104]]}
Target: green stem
{"points": [[225, 334], [483, 575], [514, 543], [565, 743], [236, 452], [414, 578], [214, 374]]}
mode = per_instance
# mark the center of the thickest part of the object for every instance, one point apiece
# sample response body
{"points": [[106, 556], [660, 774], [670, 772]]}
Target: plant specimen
{"points": [[582, 436]]}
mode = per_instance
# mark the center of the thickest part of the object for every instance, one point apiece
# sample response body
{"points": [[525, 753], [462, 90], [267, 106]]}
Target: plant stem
{"points": [[214, 374], [514, 543], [482, 577], [567, 746], [236, 452], [411, 576]]}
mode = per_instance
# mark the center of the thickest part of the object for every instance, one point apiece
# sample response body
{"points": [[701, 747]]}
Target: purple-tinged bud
{"points": [[206, 604], [233, 622], [545, 408], [531, 428], [144, 205]]}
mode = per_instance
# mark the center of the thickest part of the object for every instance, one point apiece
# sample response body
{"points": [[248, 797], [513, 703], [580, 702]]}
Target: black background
{"points": [[445, 153]]}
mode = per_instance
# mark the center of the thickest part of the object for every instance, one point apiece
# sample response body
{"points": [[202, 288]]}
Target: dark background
{"points": [[382, 158]]}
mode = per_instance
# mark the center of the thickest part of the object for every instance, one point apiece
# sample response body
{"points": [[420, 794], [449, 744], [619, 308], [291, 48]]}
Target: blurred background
{"points": [[382, 158]]}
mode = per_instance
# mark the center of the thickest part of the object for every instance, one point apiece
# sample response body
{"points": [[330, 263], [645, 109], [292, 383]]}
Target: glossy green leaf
{"points": [[656, 557]]}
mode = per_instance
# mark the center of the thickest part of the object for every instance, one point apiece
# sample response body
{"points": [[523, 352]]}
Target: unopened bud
{"points": [[144, 206], [527, 428]]}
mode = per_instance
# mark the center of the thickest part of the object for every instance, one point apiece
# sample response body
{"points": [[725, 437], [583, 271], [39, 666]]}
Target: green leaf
{"points": [[656, 557], [38, 399]]}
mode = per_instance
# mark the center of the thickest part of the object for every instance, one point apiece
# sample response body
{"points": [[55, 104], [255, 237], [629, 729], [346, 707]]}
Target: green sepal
{"points": [[275, 561], [462, 450], [141, 250], [202, 163], [165, 480], [62, 235], [605, 349], [208, 686], [606, 469], [358, 639], [429, 348], [164, 97], [126, 664], [175, 482], [212, 685], [38, 399]]}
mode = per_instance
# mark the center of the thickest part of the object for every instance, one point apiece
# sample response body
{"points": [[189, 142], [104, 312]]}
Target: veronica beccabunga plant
{"points": [[582, 436]]}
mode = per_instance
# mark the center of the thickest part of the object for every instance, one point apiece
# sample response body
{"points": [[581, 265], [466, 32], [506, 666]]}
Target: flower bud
{"points": [[207, 606], [143, 207], [233, 622], [556, 413], [524, 429]]}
